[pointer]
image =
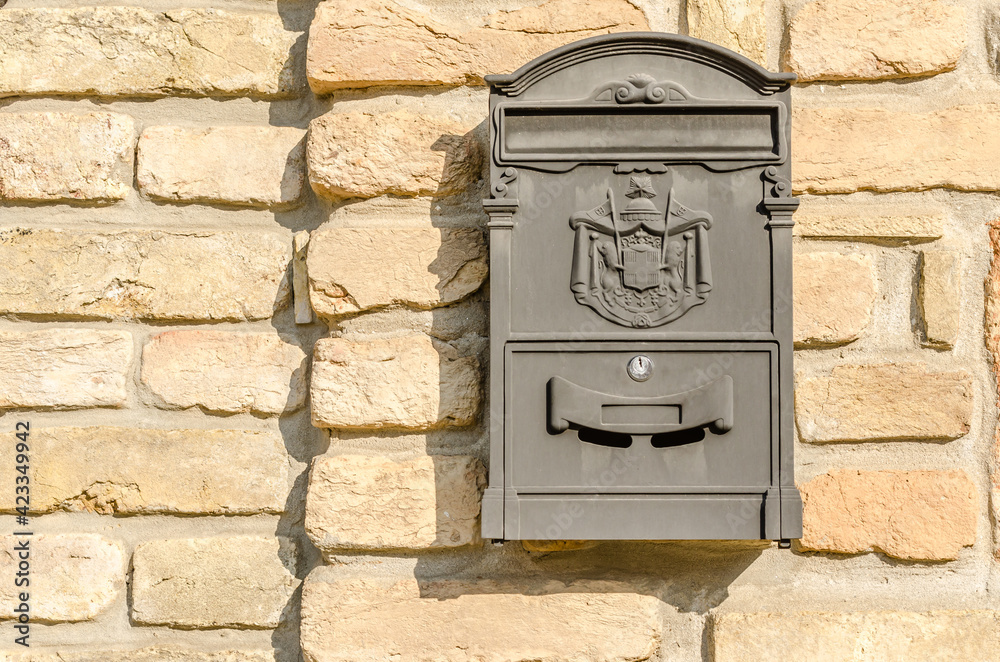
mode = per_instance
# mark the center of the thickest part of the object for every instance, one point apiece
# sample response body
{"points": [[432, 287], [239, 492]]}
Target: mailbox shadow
{"points": [[688, 578]]}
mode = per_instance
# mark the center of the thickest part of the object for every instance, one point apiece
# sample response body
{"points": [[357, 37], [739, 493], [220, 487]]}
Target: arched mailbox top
{"points": [[664, 44], [640, 100]]}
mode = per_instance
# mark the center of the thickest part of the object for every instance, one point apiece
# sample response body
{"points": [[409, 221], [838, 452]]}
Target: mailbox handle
{"points": [[574, 406]]}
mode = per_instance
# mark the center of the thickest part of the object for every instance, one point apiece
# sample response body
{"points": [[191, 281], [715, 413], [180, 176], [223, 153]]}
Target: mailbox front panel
{"points": [[575, 413], [544, 247], [640, 279]]}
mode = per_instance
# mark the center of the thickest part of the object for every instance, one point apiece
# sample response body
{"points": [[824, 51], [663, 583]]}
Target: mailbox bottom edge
{"points": [[636, 517]]}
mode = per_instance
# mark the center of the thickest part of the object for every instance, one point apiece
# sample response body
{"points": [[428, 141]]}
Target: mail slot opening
{"points": [[661, 440], [747, 132], [677, 438], [604, 438]]}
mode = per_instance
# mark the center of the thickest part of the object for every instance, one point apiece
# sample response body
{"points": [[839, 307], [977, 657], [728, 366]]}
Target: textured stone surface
{"points": [[840, 150], [261, 166], [546, 546], [300, 278], [345, 619], [362, 155], [213, 582], [992, 333], [353, 269], [833, 297], [409, 381], [144, 655], [930, 636], [143, 274], [108, 470], [370, 502], [74, 577], [348, 41], [883, 401], [739, 26], [856, 40], [64, 156], [406, 382], [850, 223], [130, 51], [913, 515], [940, 296], [222, 371], [65, 368]]}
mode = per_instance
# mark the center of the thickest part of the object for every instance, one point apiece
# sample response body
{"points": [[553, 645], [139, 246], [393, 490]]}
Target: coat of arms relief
{"points": [[641, 267]]}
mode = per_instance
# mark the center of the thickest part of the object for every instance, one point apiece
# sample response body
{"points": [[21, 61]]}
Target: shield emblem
{"points": [[641, 267]]}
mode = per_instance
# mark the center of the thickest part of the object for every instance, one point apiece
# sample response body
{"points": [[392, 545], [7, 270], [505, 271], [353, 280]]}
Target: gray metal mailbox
{"points": [[641, 282]]}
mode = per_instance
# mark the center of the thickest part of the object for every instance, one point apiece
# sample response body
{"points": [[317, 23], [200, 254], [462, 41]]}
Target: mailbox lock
{"points": [[640, 368]]}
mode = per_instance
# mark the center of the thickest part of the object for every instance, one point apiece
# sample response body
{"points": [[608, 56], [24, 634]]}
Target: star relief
{"points": [[640, 187]]}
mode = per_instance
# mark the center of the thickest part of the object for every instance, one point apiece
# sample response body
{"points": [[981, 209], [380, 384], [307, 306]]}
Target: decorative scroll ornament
{"points": [[641, 267], [640, 88], [778, 185], [778, 200], [502, 188]]}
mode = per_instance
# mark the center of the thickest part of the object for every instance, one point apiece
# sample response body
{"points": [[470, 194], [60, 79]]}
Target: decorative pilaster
{"points": [[500, 207], [780, 205]]}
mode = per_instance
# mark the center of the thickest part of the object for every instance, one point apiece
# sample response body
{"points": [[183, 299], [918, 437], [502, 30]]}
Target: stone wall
{"points": [[244, 310]]}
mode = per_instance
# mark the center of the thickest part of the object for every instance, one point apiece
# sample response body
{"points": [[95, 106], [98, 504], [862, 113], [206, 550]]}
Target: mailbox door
{"points": [[698, 426]]}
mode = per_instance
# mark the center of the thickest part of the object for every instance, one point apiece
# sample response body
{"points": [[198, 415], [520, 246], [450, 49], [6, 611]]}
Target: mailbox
{"points": [[640, 218]]}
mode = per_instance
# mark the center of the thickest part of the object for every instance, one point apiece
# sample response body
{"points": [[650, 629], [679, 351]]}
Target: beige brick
{"points": [[929, 636], [107, 470], [912, 515], [858, 40], [64, 157], [348, 41], [258, 166], [142, 655], [213, 582], [410, 382], [739, 26], [130, 51], [373, 503], [345, 619], [841, 150], [354, 269], [469, 318], [73, 577], [833, 297], [65, 368], [940, 296], [143, 274], [856, 222], [365, 154], [226, 372], [883, 401]]}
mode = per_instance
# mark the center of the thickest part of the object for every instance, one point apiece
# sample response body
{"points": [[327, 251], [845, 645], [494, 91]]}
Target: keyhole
{"points": [[640, 368]]}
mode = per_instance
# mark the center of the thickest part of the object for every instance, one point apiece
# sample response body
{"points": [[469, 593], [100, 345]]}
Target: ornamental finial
{"points": [[640, 187]]}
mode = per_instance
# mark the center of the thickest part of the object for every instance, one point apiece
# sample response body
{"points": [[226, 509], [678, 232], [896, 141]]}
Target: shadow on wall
{"points": [[302, 440]]}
